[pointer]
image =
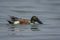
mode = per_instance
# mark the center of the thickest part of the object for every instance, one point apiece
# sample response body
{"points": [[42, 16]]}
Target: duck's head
{"points": [[35, 19]]}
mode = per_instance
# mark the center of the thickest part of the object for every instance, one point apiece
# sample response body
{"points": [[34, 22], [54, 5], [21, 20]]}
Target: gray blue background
{"points": [[48, 11]]}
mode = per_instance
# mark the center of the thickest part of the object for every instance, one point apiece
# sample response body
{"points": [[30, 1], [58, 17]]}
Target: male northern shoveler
{"points": [[15, 20]]}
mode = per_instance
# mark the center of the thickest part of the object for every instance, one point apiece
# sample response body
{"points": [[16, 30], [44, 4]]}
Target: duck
{"points": [[16, 20]]}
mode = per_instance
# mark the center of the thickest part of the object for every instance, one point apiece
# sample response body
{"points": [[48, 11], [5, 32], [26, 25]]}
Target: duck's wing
{"points": [[13, 18]]}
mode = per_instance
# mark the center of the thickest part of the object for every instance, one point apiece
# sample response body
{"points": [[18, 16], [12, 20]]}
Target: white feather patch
{"points": [[36, 23], [16, 22]]}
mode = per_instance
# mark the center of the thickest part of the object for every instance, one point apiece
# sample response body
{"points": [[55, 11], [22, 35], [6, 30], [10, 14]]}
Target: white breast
{"points": [[35, 23]]}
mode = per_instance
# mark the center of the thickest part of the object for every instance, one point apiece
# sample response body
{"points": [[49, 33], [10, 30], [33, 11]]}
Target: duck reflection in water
{"points": [[12, 28], [35, 28]]}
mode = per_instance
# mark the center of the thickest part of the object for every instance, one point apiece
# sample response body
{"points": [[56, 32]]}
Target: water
{"points": [[48, 11]]}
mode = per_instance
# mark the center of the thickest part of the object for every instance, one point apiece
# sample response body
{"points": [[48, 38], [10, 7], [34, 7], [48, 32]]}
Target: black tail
{"points": [[10, 22]]}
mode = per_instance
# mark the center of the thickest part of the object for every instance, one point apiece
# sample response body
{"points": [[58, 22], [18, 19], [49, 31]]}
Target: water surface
{"points": [[48, 11]]}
